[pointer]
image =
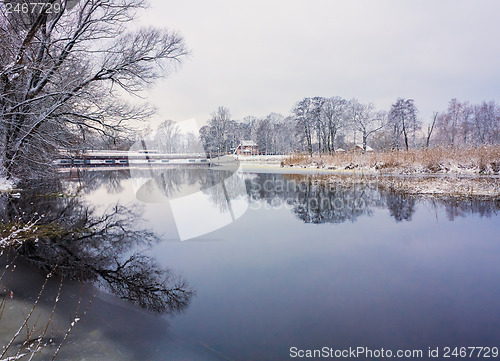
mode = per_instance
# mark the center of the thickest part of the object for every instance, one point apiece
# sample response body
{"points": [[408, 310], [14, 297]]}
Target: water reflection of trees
{"points": [[459, 207], [317, 199], [401, 206], [101, 248], [87, 180], [314, 199], [225, 187], [221, 185]]}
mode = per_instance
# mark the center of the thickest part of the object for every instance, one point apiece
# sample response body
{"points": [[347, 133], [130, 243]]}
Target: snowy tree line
{"points": [[170, 138], [275, 134], [323, 125], [465, 125]]}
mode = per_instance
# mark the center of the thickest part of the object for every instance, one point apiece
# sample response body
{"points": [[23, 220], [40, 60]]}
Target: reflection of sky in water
{"points": [[274, 282], [374, 282], [201, 200], [195, 215]]}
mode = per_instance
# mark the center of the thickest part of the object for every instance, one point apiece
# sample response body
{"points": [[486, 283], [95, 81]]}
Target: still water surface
{"points": [[294, 262]]}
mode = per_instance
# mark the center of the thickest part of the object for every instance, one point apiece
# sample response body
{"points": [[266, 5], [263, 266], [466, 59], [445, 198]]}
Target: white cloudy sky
{"points": [[257, 57]]}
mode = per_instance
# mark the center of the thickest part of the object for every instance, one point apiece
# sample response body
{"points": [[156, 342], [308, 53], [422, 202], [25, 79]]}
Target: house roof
{"points": [[368, 148], [248, 143]]}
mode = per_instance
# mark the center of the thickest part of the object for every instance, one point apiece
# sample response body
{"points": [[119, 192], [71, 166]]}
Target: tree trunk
{"points": [[405, 135], [430, 129]]}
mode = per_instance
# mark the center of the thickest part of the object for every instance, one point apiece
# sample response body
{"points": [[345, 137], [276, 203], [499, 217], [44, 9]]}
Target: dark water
{"points": [[278, 261]]}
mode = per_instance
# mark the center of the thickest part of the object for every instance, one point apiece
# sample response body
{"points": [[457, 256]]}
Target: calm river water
{"points": [[268, 267]]}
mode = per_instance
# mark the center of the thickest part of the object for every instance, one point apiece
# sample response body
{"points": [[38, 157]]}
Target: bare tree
{"points": [[100, 248], [403, 121], [216, 135], [61, 76], [318, 122], [449, 122], [430, 129], [333, 113], [485, 123], [365, 119], [303, 117], [168, 137], [271, 133], [286, 141]]}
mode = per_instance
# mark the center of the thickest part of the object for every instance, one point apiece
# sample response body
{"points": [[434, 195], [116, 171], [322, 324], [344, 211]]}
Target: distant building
{"points": [[247, 147], [359, 148], [339, 150]]}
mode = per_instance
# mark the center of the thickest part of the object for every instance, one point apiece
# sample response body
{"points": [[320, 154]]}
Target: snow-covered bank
{"points": [[445, 186], [456, 186], [439, 171], [265, 159], [440, 184], [474, 161]]}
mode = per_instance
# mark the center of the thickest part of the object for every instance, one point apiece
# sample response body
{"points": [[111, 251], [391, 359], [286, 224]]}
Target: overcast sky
{"points": [[257, 57]]}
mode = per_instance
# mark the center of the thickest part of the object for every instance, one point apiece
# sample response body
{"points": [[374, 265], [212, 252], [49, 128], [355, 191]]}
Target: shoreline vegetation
{"points": [[473, 172], [436, 171]]}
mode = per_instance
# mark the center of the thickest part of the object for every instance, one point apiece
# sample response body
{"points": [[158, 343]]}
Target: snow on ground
{"points": [[439, 171], [473, 161], [5, 184], [450, 186], [423, 183], [266, 159]]}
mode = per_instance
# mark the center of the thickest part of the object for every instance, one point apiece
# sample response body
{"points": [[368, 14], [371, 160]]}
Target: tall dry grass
{"points": [[474, 160]]}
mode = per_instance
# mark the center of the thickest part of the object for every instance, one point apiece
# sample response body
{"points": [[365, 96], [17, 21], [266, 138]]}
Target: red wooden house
{"points": [[247, 147]]}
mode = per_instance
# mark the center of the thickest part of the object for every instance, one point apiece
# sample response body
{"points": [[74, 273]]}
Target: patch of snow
{"points": [[5, 184], [17, 357], [15, 236]]}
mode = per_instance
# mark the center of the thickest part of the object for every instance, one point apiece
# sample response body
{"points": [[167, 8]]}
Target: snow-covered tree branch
{"points": [[61, 76]]}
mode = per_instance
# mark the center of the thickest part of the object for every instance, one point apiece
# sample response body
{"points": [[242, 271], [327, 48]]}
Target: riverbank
{"points": [[462, 174], [465, 174], [463, 186], [473, 161], [437, 186]]}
